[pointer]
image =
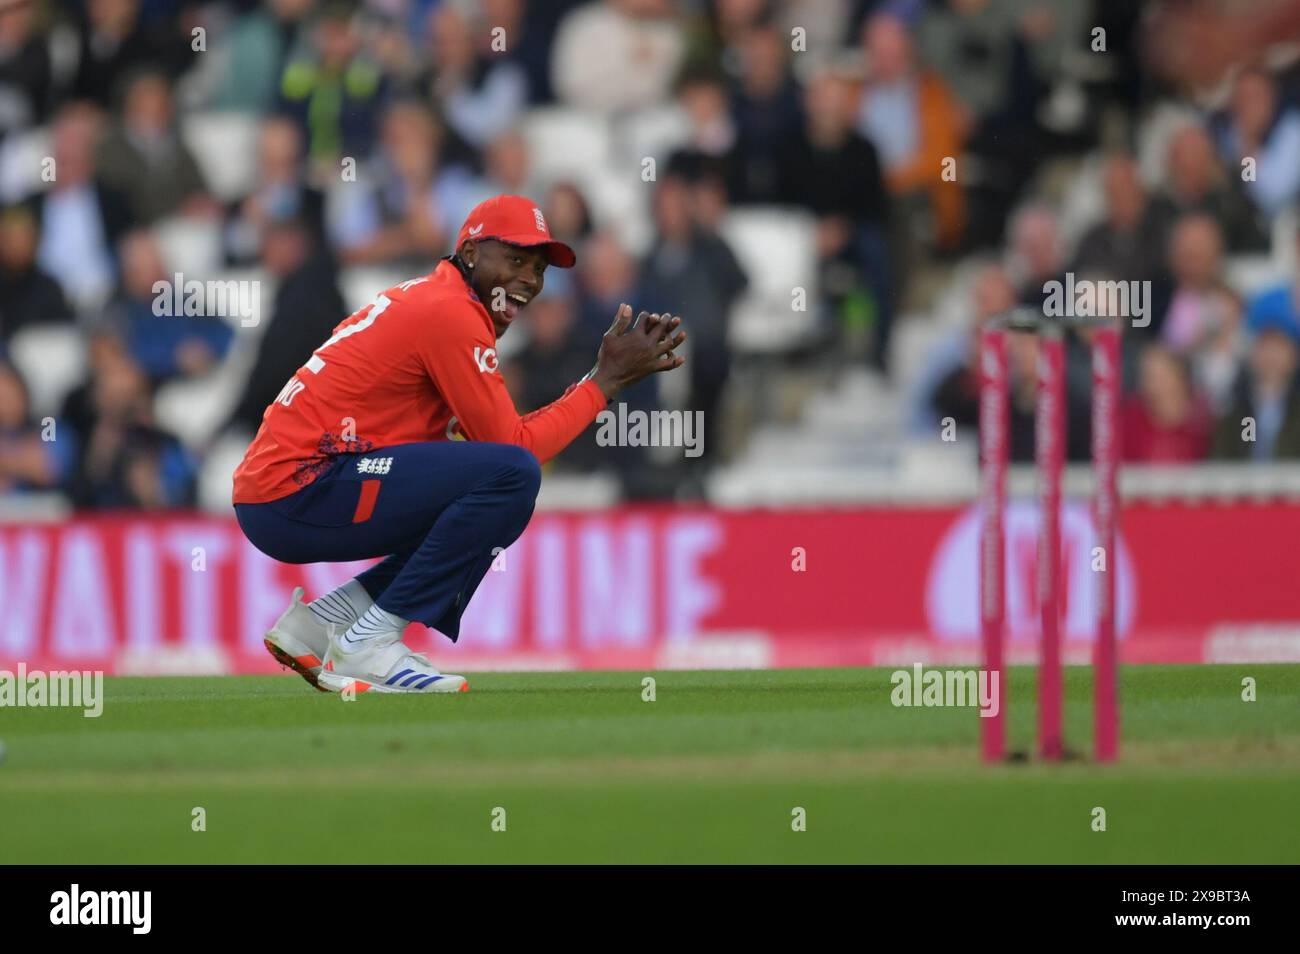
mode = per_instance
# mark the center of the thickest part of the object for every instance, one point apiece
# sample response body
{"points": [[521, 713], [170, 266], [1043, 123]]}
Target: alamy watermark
{"points": [[78, 689], [75, 906], [946, 687], [636, 428], [225, 299], [1087, 298]]}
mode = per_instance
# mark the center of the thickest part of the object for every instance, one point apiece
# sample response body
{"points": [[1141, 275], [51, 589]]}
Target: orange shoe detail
{"points": [[298, 664]]}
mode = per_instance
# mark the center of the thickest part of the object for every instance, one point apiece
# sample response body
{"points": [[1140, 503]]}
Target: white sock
{"points": [[343, 606], [373, 623]]}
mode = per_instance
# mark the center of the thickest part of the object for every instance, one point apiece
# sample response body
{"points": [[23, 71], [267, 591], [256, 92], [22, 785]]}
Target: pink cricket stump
{"points": [[1105, 465], [1049, 443], [994, 425]]}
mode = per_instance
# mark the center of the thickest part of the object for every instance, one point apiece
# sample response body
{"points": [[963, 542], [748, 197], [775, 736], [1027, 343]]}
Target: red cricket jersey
{"points": [[417, 364]]}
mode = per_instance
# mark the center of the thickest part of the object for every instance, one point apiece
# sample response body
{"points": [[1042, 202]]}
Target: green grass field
{"points": [[588, 772]]}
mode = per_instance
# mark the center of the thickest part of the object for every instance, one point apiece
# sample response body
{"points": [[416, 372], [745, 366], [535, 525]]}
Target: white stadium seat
{"points": [[52, 360], [1252, 274], [225, 146], [190, 246], [1083, 204], [566, 143], [775, 247], [656, 131], [266, 285], [361, 283], [194, 408], [216, 475], [1286, 238], [21, 159], [620, 202]]}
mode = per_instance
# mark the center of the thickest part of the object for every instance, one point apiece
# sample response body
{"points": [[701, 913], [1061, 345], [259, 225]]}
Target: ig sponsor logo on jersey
{"points": [[486, 359], [374, 465]]}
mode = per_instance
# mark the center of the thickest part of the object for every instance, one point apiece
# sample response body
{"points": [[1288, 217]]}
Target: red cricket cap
{"points": [[517, 220]]}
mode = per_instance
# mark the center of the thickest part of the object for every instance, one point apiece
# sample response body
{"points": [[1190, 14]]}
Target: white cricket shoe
{"points": [[388, 667], [299, 640]]}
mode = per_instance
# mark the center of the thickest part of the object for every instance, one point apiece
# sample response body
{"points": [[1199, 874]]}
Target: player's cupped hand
{"points": [[634, 348]]}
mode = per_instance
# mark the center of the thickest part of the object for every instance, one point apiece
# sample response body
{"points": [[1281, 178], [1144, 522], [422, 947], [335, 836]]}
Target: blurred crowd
{"points": [[918, 135]]}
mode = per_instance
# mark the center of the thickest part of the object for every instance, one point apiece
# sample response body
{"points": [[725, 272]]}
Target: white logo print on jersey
{"points": [[374, 465], [486, 359]]}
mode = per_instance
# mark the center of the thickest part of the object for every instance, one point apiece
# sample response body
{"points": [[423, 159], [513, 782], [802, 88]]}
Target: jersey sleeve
{"points": [[461, 359]]}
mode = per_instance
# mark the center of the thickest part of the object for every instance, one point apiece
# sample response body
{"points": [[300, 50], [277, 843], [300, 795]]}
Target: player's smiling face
{"points": [[515, 270]]}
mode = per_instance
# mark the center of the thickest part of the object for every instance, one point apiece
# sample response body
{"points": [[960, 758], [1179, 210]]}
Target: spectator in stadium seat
{"points": [[1129, 243], [531, 28], [1278, 305], [691, 270], [1198, 183], [1263, 420], [994, 58], [940, 387], [281, 192], [334, 92], [164, 346], [1035, 254], [568, 214], [765, 104], [914, 121], [27, 461], [709, 204], [480, 92], [409, 205], [720, 25], [26, 74], [606, 278], [104, 346], [125, 460], [617, 55], [1258, 125], [1196, 265], [306, 308], [957, 394], [254, 50], [80, 217], [144, 158], [507, 169], [114, 41], [716, 28], [970, 44], [392, 47], [1166, 421], [28, 296], [835, 173], [552, 360], [1218, 358], [710, 129], [1079, 344]]}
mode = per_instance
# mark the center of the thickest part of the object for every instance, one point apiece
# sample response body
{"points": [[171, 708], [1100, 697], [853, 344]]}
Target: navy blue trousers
{"points": [[437, 512]]}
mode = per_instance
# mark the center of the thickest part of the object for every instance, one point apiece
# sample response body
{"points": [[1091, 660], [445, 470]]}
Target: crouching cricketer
{"points": [[357, 458]]}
